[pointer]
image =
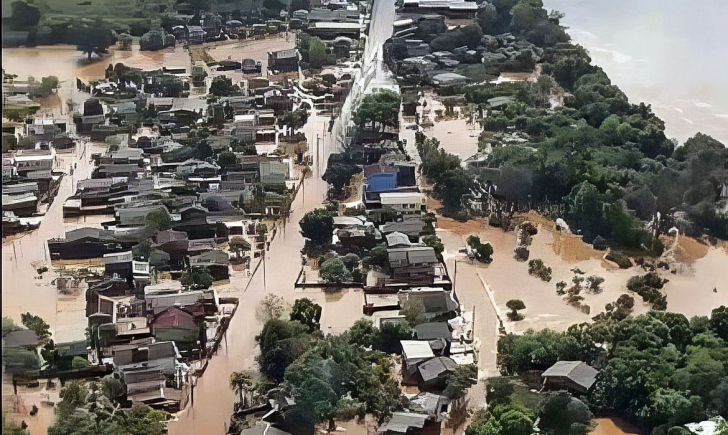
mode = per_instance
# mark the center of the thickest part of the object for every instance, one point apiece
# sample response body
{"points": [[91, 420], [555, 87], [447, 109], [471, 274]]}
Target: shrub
{"points": [[537, 268], [514, 305], [648, 286]]}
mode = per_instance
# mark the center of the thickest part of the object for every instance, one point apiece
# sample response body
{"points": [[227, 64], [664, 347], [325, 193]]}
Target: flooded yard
{"points": [[614, 426], [253, 49], [689, 292]]}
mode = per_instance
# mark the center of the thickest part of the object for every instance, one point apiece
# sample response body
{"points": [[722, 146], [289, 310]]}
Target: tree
{"points": [[434, 242], [197, 278], [414, 310], [9, 325], [560, 413], [142, 250], [94, 39], [340, 378], [452, 186], [272, 307], [719, 322], [318, 226], [363, 333], [514, 305], [648, 286], [93, 409], [281, 343], [379, 108], [38, 325], [390, 336], [241, 383], [515, 422], [317, 53], [307, 312], [23, 16], [483, 251], [334, 271], [159, 220], [498, 391], [222, 86], [377, 257], [459, 380], [339, 174], [227, 160]]}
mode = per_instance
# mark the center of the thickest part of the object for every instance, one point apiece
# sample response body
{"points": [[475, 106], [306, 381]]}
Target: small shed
{"points": [[575, 376], [433, 373]]}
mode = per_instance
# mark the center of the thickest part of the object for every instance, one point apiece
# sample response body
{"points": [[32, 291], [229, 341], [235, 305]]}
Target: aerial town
{"points": [[360, 217]]}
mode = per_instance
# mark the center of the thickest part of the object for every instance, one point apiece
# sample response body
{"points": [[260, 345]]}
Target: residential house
{"points": [[274, 172], [406, 204], [283, 61], [433, 373], [437, 301], [574, 376], [216, 262], [413, 265]]}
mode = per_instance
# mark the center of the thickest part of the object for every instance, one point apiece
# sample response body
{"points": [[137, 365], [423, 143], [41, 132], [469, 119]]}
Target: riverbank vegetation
{"points": [[571, 137], [659, 370]]}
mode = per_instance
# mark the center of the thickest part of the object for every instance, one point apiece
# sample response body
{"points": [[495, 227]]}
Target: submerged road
{"points": [[213, 398]]}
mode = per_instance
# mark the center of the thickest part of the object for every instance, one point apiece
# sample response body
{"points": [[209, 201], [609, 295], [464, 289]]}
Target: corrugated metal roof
{"points": [[576, 371]]}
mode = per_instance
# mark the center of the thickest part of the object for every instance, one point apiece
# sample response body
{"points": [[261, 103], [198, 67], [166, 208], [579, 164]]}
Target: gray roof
{"points": [[402, 257], [401, 422], [435, 367], [432, 331], [427, 403], [398, 239], [576, 371], [410, 226]]}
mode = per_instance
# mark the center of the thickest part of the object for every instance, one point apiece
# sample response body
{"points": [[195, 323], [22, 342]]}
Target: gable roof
{"points": [[402, 257], [578, 372], [435, 367], [432, 331], [401, 422]]}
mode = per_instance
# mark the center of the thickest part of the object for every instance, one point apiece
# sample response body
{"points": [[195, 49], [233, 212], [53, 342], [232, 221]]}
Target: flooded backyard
{"points": [[689, 292]]}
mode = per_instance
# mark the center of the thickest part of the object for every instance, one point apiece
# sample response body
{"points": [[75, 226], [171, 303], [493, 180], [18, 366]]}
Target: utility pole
{"points": [[264, 284], [318, 166]]}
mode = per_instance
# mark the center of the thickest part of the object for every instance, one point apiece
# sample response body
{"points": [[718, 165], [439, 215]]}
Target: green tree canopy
{"points": [[307, 313], [317, 226], [379, 108]]}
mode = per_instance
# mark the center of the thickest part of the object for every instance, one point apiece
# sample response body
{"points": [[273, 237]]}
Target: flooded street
{"points": [[253, 49], [22, 289], [213, 397]]}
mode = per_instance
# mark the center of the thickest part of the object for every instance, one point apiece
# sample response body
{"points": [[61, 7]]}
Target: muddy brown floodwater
{"points": [[213, 398], [690, 291]]}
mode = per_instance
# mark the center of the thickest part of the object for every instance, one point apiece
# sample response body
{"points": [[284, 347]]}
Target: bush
{"points": [[483, 251], [514, 305], [537, 268], [334, 271], [79, 363], [648, 286]]}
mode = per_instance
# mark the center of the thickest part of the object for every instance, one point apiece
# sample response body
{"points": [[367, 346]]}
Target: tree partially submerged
{"points": [[318, 226], [307, 313]]}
